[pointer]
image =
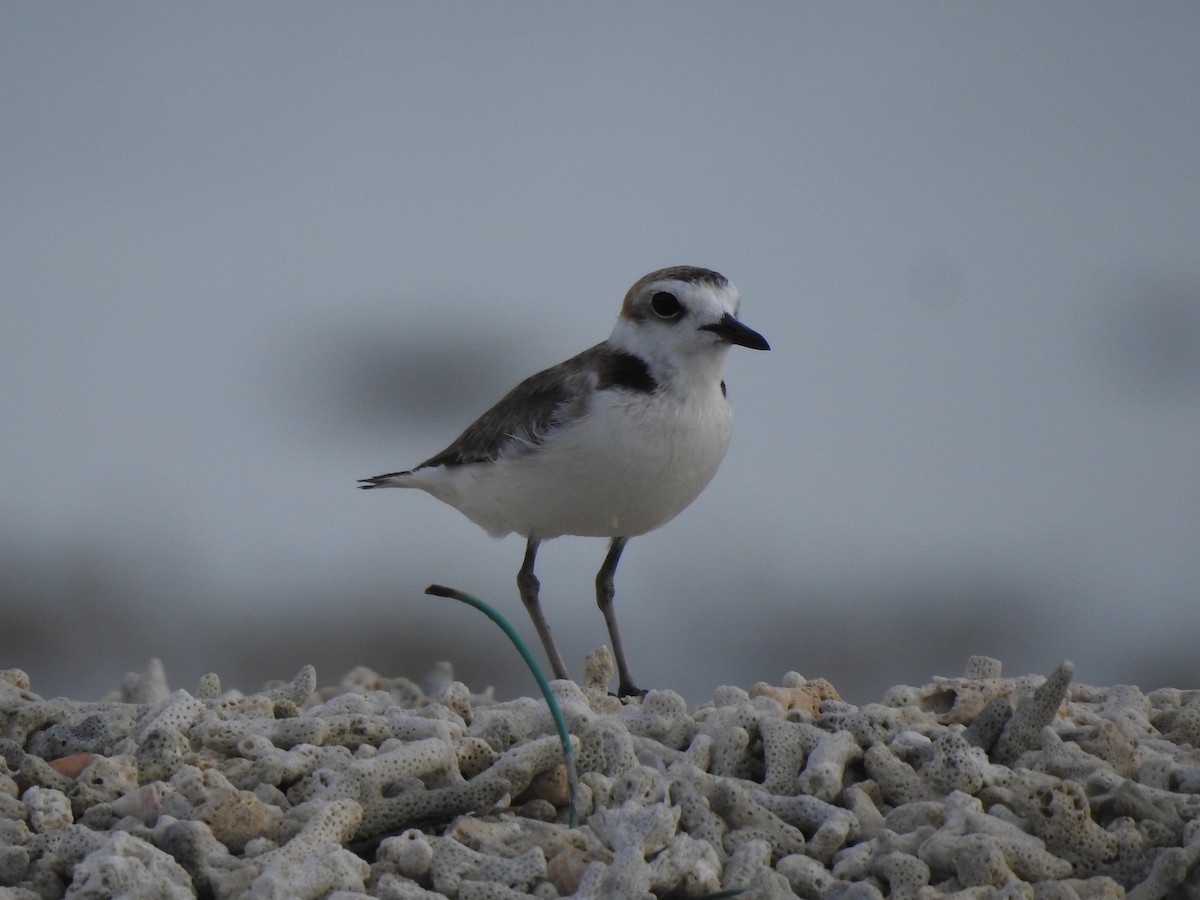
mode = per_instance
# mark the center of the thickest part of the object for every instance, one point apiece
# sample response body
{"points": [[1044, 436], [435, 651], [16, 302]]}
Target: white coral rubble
{"points": [[979, 786]]}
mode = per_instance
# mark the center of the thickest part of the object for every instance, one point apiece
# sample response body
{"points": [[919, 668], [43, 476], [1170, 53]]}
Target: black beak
{"points": [[730, 329]]}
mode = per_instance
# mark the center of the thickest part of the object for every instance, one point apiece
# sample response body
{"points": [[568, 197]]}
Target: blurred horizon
{"points": [[255, 252]]}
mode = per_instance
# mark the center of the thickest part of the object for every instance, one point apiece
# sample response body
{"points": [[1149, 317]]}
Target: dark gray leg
{"points": [[528, 585], [604, 599]]}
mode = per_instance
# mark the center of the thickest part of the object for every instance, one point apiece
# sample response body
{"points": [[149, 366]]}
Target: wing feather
{"points": [[523, 418]]}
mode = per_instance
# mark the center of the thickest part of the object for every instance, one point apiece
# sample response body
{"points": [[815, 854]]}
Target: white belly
{"points": [[630, 465]]}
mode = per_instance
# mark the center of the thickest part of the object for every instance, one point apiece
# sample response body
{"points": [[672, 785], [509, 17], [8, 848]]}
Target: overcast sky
{"points": [[255, 251]]}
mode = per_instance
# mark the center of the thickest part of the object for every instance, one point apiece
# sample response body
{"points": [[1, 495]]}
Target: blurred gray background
{"points": [[253, 252]]}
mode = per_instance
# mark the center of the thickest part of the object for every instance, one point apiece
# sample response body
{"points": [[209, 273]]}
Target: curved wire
{"points": [[560, 723]]}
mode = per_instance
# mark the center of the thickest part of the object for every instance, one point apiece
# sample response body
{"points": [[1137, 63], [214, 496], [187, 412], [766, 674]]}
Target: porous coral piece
{"points": [[913, 816], [905, 874], [955, 765], [786, 746], [829, 826], [1064, 759], [349, 730], [1112, 742], [55, 854], [125, 866], [1126, 705], [473, 755], [797, 693], [406, 725], [322, 871], [986, 727], [696, 816], [1060, 815], [213, 870], [409, 852], [48, 809], [208, 687], [645, 748], [297, 692], [731, 756], [332, 822], [16, 678], [35, 771], [869, 725], [981, 668], [223, 736], [145, 687], [686, 867], [237, 817], [954, 701], [605, 747], [1023, 854], [568, 851], [1173, 810], [1182, 725], [806, 813], [564, 870], [505, 725], [642, 785], [416, 804], [1023, 731], [599, 666], [826, 767], [362, 680], [103, 779], [741, 812], [1171, 869], [898, 781], [749, 870], [550, 787], [160, 753], [456, 697], [1098, 887], [663, 716], [487, 890], [454, 863], [82, 731], [177, 712], [519, 765], [508, 835], [979, 861], [267, 765], [698, 754], [627, 876], [807, 877], [647, 829], [866, 813], [14, 863], [416, 759]]}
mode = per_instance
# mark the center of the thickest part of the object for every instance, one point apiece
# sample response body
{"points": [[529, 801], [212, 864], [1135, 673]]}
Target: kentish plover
{"points": [[612, 443]]}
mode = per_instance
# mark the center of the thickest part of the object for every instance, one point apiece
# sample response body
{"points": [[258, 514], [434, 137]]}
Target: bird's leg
{"points": [[604, 599], [527, 585]]}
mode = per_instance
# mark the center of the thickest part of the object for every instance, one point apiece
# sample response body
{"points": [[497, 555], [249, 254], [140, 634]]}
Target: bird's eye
{"points": [[665, 305]]}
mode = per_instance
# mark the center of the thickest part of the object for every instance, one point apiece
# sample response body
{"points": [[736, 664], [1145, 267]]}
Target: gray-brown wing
{"points": [[526, 414]]}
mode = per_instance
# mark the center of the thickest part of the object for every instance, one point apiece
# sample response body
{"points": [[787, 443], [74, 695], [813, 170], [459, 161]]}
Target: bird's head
{"points": [[682, 318]]}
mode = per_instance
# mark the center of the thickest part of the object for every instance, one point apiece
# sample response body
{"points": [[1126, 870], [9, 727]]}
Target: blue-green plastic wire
{"points": [[564, 736]]}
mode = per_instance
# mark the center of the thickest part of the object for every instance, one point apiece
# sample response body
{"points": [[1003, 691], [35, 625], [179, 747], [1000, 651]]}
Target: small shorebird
{"points": [[613, 442]]}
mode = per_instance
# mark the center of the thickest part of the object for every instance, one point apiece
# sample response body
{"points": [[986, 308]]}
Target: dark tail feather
{"points": [[379, 480]]}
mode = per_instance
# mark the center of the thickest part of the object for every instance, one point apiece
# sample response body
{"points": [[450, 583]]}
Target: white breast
{"points": [[632, 463]]}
